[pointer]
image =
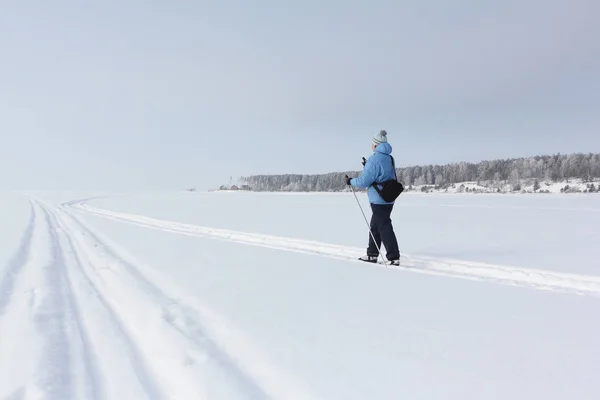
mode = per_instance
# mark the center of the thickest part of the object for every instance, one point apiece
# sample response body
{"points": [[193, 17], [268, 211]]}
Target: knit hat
{"points": [[381, 137]]}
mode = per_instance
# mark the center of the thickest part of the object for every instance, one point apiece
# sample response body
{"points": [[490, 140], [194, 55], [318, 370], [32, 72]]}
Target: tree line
{"points": [[550, 168]]}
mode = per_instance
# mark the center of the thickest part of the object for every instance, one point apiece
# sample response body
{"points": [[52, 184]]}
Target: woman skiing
{"points": [[379, 168]]}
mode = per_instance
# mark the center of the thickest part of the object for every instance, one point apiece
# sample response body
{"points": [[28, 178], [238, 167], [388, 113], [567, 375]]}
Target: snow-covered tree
{"points": [[493, 173]]}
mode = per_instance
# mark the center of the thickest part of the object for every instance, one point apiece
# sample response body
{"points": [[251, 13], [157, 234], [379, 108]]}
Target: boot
{"points": [[368, 258]]}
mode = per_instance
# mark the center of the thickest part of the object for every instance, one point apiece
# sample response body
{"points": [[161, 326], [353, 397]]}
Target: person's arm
{"points": [[367, 177]]}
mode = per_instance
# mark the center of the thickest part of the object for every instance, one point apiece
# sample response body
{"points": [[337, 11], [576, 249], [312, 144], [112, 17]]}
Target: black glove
{"points": [[347, 180], [364, 161]]}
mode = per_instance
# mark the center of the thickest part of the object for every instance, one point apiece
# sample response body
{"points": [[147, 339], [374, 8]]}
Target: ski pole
{"points": [[368, 226]]}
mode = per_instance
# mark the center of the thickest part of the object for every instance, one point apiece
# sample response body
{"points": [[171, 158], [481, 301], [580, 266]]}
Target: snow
{"points": [[14, 217], [259, 295], [533, 231]]}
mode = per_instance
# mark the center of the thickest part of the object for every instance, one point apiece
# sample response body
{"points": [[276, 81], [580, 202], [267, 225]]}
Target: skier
{"points": [[378, 168]]}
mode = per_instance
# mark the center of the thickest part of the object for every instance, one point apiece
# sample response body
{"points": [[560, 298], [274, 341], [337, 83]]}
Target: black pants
{"points": [[382, 229]]}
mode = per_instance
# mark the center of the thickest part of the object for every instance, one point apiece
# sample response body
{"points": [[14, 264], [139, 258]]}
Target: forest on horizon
{"points": [[514, 171]]}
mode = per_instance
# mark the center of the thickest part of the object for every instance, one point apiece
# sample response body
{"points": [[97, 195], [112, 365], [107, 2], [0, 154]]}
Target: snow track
{"points": [[40, 322], [523, 277], [16, 263], [94, 324]]}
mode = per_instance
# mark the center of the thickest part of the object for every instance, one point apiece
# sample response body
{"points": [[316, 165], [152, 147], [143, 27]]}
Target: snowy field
{"points": [[257, 295]]}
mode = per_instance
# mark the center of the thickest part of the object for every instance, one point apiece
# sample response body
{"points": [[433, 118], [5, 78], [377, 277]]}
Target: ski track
{"points": [[54, 368], [146, 380], [190, 329], [16, 302], [16, 263], [585, 285], [176, 348], [37, 303], [170, 308], [90, 322], [67, 331]]}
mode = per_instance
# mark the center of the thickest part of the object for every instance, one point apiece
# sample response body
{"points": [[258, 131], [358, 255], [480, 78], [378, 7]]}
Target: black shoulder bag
{"points": [[390, 189]]}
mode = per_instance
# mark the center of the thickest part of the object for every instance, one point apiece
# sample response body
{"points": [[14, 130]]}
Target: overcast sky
{"points": [[137, 94]]}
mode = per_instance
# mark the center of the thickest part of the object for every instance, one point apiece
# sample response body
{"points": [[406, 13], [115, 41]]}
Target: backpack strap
{"points": [[394, 166]]}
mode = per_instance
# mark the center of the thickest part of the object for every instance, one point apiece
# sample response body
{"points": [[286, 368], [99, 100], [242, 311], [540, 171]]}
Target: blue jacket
{"points": [[378, 168]]}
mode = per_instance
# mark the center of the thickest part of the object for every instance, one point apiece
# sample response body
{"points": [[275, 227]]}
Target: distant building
{"points": [[234, 187], [245, 187]]}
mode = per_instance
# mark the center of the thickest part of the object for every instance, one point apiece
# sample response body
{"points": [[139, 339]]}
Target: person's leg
{"points": [[374, 244], [386, 231]]}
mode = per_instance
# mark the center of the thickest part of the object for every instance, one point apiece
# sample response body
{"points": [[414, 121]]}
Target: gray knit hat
{"points": [[381, 137]]}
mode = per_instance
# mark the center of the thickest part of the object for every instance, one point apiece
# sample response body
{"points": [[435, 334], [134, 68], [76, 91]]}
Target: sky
{"points": [[160, 94]]}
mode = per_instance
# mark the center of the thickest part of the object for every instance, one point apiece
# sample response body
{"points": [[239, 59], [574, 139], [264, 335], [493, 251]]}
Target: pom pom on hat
{"points": [[381, 137]]}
